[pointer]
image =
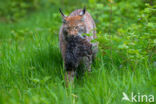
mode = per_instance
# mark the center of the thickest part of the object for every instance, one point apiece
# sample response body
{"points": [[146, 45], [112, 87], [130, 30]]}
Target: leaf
{"points": [[123, 46]]}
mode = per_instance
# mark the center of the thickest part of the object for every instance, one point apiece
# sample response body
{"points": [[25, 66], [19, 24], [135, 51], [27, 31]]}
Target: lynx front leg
{"points": [[69, 77], [88, 62]]}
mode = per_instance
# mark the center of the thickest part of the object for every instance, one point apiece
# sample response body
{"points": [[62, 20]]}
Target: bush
{"points": [[129, 44], [14, 9]]}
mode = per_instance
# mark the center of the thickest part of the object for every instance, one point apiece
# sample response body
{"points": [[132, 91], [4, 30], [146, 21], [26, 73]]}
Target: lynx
{"points": [[76, 48]]}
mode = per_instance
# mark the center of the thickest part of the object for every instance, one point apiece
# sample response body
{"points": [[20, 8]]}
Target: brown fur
{"points": [[76, 24]]}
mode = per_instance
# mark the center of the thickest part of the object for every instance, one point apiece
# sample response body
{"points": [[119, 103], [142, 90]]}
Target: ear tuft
{"points": [[83, 11], [63, 16], [62, 13]]}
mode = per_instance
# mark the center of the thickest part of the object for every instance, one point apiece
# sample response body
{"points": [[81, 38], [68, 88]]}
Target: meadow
{"points": [[31, 67]]}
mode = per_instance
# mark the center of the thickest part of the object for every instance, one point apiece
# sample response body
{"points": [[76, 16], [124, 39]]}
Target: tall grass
{"points": [[31, 67]]}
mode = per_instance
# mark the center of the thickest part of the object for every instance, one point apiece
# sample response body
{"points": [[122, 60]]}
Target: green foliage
{"points": [[31, 68], [15, 9], [133, 42]]}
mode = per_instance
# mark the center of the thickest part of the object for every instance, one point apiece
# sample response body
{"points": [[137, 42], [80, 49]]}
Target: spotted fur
{"points": [[74, 45]]}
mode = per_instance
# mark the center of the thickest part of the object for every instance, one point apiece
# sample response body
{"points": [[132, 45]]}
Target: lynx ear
{"points": [[83, 11], [61, 13], [63, 16]]}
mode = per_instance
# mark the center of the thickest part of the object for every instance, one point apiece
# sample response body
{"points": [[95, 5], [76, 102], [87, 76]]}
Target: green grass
{"points": [[31, 68]]}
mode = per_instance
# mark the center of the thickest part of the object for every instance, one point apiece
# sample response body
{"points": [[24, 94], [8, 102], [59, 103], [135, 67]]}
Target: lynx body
{"points": [[74, 45]]}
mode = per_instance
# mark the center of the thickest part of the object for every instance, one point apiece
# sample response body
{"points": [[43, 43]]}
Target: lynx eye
{"points": [[68, 28], [81, 28], [65, 31], [76, 27]]}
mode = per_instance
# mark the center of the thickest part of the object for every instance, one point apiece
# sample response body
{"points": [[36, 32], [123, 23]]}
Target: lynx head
{"points": [[73, 25]]}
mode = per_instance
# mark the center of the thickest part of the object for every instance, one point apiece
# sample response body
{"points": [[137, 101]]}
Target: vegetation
{"points": [[31, 68]]}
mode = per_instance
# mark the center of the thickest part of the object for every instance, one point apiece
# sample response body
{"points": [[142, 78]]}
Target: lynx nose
{"points": [[73, 33]]}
